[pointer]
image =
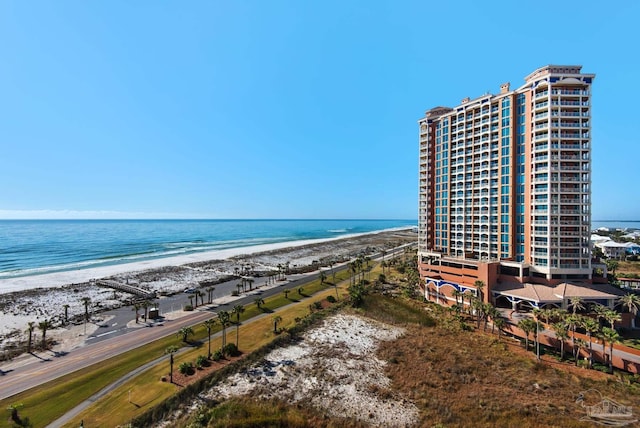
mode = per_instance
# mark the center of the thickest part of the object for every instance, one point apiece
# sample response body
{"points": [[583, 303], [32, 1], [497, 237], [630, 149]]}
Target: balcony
{"points": [[569, 92]]}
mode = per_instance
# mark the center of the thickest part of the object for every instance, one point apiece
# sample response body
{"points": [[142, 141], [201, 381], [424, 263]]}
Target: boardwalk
{"points": [[136, 291]]}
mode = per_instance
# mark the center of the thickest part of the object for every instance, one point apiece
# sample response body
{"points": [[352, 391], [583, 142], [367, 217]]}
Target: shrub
{"points": [[331, 299], [601, 367], [230, 349], [218, 355], [202, 361], [188, 308], [186, 368], [235, 293], [317, 305]]}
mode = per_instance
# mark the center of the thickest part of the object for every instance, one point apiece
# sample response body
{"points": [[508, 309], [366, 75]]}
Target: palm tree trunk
{"points": [[610, 357]]}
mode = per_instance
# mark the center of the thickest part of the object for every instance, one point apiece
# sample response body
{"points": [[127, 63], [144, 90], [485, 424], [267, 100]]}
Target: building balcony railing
{"points": [[569, 92]]}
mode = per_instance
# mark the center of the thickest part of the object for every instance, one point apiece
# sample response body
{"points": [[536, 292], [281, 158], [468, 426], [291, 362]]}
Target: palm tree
{"points": [[456, 293], [494, 313], [239, 286], [611, 317], [184, 333], [238, 310], [579, 345], [547, 314], [467, 293], [276, 320], [591, 326], [352, 268], [286, 293], [258, 302], [210, 294], [477, 306], [86, 301], [191, 301], [208, 324], [612, 265], [30, 327], [323, 277], [572, 322], [537, 314], [479, 286], [223, 317], [333, 272], [611, 336], [170, 351], [66, 313], [631, 302], [136, 307], [599, 310], [562, 333], [145, 305], [577, 304], [301, 291], [527, 325], [44, 326], [499, 323], [201, 295]]}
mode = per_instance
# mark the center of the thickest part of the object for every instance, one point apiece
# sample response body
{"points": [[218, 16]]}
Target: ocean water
{"points": [[615, 224], [34, 247]]}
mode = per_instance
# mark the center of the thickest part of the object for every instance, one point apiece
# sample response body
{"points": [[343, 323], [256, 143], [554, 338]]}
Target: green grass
{"points": [[48, 402], [149, 392]]}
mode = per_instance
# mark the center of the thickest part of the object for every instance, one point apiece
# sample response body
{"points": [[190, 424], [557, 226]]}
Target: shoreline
{"points": [[79, 276], [45, 295]]}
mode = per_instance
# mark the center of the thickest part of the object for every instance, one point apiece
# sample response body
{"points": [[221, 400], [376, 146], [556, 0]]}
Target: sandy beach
{"points": [[36, 298]]}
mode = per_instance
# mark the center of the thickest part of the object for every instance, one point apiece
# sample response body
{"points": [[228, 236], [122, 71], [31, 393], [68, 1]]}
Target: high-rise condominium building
{"points": [[505, 189]]}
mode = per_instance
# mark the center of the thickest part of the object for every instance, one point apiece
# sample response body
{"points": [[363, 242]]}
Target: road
{"points": [[100, 347], [115, 338]]}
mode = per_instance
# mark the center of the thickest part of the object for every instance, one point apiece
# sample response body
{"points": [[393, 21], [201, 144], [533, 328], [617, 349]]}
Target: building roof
{"points": [[557, 294], [611, 244]]}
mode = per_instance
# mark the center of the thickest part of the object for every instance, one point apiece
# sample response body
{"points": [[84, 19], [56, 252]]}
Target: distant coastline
{"points": [[615, 224], [69, 252]]}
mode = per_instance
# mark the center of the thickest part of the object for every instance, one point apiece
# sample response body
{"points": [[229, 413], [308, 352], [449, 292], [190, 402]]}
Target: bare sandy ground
{"points": [[165, 276], [334, 369]]}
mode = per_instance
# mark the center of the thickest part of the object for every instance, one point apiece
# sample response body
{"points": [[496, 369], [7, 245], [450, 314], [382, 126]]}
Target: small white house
{"points": [[612, 249]]}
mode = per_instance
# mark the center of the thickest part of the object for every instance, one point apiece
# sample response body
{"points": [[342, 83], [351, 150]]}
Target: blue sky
{"points": [[280, 109]]}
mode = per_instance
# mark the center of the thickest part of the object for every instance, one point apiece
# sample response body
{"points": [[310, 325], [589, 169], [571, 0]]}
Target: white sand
{"points": [[333, 369], [59, 279], [36, 298]]}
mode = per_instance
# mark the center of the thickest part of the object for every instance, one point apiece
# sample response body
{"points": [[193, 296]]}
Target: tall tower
{"points": [[505, 183]]}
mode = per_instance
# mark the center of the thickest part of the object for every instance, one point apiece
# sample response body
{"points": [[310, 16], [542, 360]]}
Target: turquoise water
{"points": [[34, 247]]}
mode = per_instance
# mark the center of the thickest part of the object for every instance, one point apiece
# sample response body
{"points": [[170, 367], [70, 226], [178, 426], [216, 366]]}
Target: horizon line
{"points": [[207, 219]]}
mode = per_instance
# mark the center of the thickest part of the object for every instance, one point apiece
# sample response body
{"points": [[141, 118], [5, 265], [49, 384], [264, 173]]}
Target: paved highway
{"points": [[118, 340], [115, 338]]}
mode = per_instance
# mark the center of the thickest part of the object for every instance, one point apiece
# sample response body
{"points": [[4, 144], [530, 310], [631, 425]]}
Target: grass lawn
{"points": [[147, 390], [48, 402]]}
